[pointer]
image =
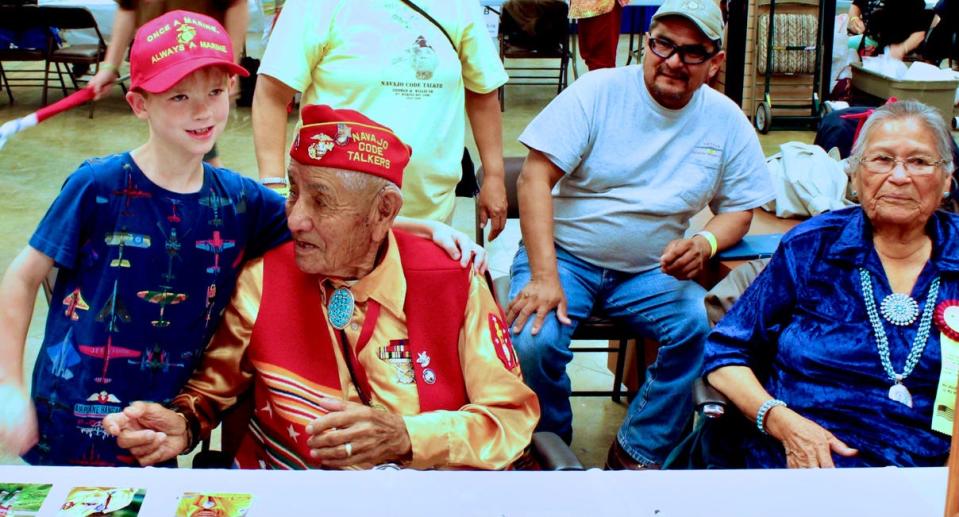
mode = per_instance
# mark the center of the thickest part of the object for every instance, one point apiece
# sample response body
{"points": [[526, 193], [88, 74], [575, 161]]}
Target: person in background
{"points": [[940, 41], [899, 25], [835, 351], [418, 67], [634, 153], [598, 24]]}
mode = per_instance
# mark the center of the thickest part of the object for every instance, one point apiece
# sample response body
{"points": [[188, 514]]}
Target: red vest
{"points": [[292, 352]]}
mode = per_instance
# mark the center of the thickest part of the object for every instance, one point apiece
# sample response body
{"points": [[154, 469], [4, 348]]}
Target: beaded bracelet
{"points": [[711, 239], [763, 409]]}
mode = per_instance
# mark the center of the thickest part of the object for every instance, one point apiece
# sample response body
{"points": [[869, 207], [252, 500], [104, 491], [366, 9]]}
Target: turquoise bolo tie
{"points": [[340, 308]]}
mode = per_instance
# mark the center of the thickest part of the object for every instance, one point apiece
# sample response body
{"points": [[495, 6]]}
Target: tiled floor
{"points": [[34, 164]]}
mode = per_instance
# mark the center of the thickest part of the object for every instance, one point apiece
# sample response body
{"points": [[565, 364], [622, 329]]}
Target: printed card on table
{"points": [[22, 499], [194, 504], [112, 501]]}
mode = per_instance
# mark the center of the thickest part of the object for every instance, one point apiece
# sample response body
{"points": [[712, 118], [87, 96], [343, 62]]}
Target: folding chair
{"points": [[24, 37], [89, 54], [547, 39]]}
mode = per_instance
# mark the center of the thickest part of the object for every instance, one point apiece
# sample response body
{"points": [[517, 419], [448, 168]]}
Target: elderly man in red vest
{"points": [[363, 345]]}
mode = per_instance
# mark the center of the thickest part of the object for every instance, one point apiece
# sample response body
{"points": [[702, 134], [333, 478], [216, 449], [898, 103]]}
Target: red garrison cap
{"points": [[347, 139], [169, 47]]}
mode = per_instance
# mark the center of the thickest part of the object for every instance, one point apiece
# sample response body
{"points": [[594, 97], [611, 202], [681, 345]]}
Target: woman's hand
{"points": [[807, 444]]}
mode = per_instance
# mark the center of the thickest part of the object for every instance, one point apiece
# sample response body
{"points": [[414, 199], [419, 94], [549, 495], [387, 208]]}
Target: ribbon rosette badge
{"points": [[947, 318]]}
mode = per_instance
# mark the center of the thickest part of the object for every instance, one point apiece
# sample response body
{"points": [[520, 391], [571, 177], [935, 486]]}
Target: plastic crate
{"points": [[938, 94]]}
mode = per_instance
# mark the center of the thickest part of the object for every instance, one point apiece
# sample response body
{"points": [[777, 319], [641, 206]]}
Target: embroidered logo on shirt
{"points": [[502, 342]]}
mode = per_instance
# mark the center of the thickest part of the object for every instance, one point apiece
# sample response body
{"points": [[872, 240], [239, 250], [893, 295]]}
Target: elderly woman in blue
{"points": [[834, 351]]}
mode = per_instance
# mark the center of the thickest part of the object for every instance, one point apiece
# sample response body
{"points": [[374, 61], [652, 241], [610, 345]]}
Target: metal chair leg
{"points": [[63, 84], [46, 81], [6, 83], [620, 367]]}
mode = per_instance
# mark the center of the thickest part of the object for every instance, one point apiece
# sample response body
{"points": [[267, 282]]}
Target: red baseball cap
{"points": [[171, 46], [348, 140]]}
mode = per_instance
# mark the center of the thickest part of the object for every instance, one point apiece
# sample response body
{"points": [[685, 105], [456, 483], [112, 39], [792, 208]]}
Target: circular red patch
{"points": [[948, 324]]}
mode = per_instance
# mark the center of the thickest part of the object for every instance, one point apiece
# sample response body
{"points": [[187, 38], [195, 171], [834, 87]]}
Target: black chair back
{"points": [[68, 17]]}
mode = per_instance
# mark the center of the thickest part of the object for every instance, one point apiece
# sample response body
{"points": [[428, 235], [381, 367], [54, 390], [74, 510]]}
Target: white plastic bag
{"points": [[886, 65]]}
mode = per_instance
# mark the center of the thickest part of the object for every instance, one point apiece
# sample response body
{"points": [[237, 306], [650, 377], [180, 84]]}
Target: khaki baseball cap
{"points": [[704, 13]]}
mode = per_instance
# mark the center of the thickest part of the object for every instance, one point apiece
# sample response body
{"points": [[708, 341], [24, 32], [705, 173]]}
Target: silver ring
{"points": [[349, 449]]}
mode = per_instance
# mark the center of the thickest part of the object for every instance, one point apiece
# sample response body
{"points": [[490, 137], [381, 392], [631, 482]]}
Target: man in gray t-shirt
{"points": [[634, 153]]}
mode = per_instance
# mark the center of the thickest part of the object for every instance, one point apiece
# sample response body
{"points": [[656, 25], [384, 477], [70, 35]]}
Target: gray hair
{"points": [[901, 110], [362, 183], [355, 182]]}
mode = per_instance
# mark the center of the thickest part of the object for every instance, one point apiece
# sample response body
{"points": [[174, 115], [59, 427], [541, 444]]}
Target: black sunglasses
{"points": [[689, 54]]}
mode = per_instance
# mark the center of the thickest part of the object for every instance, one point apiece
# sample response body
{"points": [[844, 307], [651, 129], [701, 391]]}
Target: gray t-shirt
{"points": [[636, 172]]}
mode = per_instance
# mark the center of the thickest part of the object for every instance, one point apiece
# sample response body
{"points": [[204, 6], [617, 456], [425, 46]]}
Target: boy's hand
{"points": [[459, 246], [151, 432], [18, 420]]}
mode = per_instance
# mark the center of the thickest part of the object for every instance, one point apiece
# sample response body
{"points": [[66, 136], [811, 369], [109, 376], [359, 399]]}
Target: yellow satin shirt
{"points": [[488, 433]]}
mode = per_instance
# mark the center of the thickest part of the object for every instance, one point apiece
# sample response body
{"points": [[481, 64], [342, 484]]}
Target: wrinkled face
{"points": [[331, 225], [671, 82], [190, 115], [898, 198]]}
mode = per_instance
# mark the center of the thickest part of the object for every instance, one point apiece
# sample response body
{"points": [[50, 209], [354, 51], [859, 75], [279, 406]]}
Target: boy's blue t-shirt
{"points": [[144, 277]]}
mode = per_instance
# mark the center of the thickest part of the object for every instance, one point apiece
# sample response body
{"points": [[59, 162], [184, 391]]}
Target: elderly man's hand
{"points": [[540, 296], [151, 432], [807, 444], [354, 434], [492, 205], [685, 258], [18, 420]]}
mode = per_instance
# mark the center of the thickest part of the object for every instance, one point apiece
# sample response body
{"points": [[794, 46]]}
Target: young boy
{"points": [[147, 244]]}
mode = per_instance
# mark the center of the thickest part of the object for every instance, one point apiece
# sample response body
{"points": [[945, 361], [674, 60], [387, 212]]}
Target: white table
{"points": [[782, 493]]}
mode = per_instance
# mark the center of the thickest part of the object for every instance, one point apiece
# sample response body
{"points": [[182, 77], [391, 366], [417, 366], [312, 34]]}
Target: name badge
{"points": [[944, 407]]}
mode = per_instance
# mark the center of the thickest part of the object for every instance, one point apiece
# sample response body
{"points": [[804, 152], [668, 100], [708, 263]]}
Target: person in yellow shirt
{"points": [[420, 67], [362, 345]]}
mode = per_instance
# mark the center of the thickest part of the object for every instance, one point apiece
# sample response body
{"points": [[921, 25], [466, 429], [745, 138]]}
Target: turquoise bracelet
{"points": [[763, 409]]}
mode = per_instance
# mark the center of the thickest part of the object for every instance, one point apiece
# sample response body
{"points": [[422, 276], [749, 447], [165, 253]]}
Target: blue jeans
{"points": [[655, 305]]}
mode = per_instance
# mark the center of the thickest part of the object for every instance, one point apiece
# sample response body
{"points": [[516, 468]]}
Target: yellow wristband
{"points": [[111, 67], [711, 239]]}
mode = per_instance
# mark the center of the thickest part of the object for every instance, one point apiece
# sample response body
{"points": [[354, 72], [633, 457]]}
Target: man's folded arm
{"points": [[224, 372]]}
